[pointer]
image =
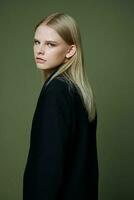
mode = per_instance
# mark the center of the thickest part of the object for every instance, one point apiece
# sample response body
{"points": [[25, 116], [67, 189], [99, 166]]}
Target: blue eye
{"points": [[36, 42], [50, 44]]}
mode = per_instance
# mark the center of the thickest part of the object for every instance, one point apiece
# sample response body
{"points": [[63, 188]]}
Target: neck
{"points": [[49, 72]]}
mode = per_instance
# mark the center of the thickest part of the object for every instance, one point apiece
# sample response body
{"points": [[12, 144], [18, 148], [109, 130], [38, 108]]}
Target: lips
{"points": [[40, 60]]}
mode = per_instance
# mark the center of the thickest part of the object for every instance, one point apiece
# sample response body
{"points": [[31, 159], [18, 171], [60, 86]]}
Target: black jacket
{"points": [[62, 160]]}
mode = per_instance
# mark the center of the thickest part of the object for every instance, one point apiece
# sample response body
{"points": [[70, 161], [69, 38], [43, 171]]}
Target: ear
{"points": [[71, 51]]}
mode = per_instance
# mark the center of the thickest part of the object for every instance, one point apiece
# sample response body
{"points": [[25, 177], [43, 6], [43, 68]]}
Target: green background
{"points": [[107, 30]]}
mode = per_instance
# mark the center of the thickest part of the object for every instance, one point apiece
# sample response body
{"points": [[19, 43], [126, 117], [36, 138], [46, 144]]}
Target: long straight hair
{"points": [[73, 70]]}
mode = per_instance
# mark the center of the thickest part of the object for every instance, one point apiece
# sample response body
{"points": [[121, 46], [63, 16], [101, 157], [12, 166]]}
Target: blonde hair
{"points": [[73, 70]]}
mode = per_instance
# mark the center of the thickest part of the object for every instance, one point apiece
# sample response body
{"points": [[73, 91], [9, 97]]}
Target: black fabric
{"points": [[62, 161]]}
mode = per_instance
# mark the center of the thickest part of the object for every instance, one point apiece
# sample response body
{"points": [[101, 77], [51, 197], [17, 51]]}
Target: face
{"points": [[50, 50]]}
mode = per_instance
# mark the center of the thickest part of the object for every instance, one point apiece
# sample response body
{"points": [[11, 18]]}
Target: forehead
{"points": [[44, 32]]}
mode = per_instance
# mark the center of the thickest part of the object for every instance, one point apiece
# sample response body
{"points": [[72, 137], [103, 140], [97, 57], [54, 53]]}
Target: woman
{"points": [[62, 160]]}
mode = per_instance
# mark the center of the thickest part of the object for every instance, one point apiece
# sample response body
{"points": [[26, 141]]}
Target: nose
{"points": [[41, 50]]}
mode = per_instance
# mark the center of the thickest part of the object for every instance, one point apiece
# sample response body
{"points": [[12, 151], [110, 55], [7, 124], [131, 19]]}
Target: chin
{"points": [[41, 66]]}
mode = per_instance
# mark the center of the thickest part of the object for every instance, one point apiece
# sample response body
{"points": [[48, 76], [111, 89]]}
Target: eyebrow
{"points": [[46, 40]]}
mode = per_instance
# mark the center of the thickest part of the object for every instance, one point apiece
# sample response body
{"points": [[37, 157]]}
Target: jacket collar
{"points": [[54, 71]]}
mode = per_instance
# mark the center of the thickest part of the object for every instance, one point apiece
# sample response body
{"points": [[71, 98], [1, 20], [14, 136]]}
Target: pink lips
{"points": [[40, 60]]}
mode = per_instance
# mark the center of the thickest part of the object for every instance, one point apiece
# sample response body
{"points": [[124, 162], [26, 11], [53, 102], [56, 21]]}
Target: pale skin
{"points": [[51, 48]]}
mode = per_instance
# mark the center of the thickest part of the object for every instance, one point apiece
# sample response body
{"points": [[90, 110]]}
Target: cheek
{"points": [[34, 50], [58, 53]]}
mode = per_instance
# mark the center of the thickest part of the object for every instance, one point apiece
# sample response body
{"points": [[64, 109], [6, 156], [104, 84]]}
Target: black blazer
{"points": [[62, 160]]}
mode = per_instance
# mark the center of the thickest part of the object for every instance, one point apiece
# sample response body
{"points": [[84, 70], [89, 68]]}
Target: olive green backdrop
{"points": [[108, 34]]}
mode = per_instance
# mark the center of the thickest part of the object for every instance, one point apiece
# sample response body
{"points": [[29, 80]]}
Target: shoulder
{"points": [[56, 99], [60, 91], [59, 86]]}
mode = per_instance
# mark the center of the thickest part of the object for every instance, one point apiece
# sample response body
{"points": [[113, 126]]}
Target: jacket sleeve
{"points": [[52, 141]]}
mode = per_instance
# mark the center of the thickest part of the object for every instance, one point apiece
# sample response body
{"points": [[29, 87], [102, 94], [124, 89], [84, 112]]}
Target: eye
{"points": [[50, 45], [36, 42]]}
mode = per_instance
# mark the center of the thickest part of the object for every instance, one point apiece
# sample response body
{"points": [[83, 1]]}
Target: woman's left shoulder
{"points": [[60, 85]]}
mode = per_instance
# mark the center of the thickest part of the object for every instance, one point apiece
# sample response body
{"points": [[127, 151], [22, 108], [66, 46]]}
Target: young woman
{"points": [[62, 161]]}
